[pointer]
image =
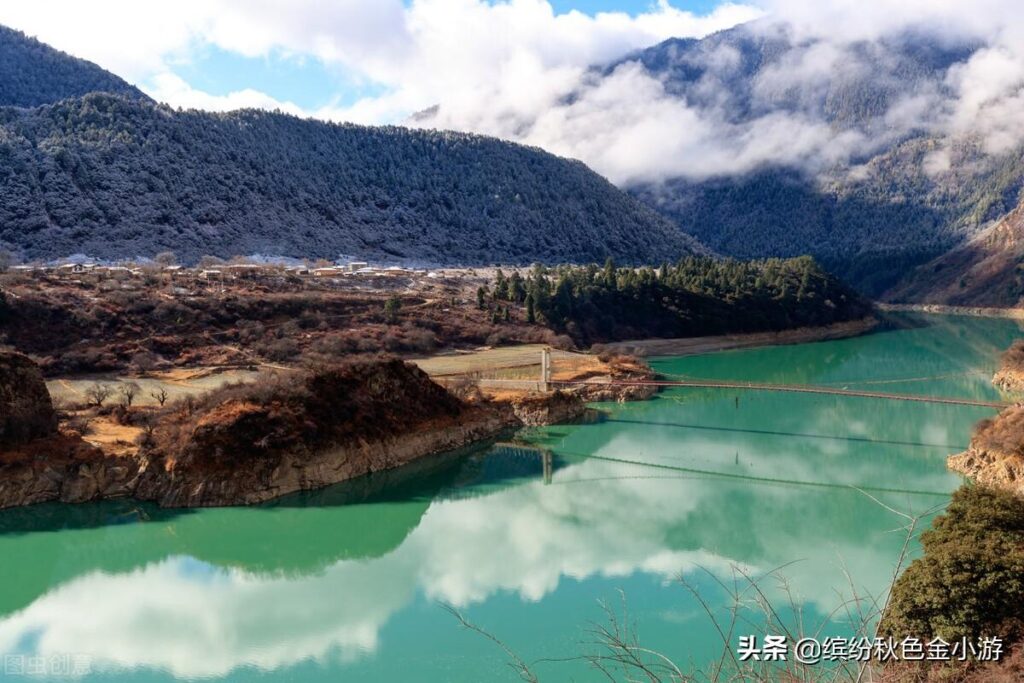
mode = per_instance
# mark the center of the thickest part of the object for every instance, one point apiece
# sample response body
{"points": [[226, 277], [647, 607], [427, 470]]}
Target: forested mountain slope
{"points": [[33, 73], [870, 216], [871, 231], [986, 271], [119, 177]]}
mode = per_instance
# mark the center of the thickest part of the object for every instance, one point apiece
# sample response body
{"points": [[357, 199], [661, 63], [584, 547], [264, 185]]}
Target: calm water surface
{"points": [[345, 584]]}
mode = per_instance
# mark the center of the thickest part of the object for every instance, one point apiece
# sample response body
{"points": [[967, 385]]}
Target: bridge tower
{"points": [[545, 369]]}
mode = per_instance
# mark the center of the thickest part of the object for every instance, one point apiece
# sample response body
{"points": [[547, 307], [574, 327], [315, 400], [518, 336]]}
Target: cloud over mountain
{"points": [[462, 51], [634, 124], [875, 135], [520, 71]]}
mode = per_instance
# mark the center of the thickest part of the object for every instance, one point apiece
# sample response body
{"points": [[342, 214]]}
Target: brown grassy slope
{"points": [[77, 327], [985, 272], [304, 411]]}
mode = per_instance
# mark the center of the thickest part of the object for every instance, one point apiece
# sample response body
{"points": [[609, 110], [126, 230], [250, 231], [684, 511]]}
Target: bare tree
{"points": [[143, 361], [515, 662], [160, 395], [148, 423], [98, 393], [128, 391], [166, 258]]}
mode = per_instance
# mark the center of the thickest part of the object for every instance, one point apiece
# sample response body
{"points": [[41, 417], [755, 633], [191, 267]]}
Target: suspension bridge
{"points": [[546, 382], [792, 388]]}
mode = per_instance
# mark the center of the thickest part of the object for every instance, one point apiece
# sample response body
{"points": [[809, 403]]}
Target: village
{"points": [[212, 270]]}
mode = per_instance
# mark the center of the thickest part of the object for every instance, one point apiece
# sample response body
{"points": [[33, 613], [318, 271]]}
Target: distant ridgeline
{"points": [[33, 73], [868, 219], [694, 297], [115, 175]]}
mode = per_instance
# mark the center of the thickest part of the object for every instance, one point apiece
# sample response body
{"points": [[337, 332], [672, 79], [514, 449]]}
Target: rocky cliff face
{"points": [[37, 463], [1009, 379], [26, 412], [266, 478], [996, 453]]}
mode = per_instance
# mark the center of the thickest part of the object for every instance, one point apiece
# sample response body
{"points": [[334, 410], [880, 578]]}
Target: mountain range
{"points": [[871, 216], [115, 175], [89, 164]]}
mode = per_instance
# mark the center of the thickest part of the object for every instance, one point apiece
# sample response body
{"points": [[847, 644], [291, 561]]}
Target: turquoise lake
{"points": [[348, 583]]}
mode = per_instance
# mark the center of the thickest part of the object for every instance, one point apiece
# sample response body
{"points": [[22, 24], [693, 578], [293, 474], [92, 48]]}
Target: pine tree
{"points": [[609, 272], [500, 286], [516, 288], [391, 308]]}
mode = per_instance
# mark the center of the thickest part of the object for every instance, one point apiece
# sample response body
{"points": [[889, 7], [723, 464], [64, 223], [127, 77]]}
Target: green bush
{"points": [[970, 581]]}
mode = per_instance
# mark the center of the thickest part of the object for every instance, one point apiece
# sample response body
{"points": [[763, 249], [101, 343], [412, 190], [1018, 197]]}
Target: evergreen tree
{"points": [[696, 296], [516, 288], [391, 308], [500, 286]]}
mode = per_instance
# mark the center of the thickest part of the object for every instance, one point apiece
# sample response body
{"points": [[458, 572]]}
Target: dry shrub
{"points": [[80, 424]]}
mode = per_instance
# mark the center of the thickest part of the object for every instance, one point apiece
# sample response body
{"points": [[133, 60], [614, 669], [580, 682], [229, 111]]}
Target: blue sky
{"points": [[305, 81], [312, 85], [366, 61], [629, 6]]}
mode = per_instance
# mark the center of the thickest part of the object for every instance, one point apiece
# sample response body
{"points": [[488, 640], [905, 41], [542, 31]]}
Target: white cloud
{"points": [[196, 620], [517, 70], [168, 87]]}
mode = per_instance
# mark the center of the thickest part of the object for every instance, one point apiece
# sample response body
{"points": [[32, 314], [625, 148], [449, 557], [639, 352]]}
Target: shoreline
{"points": [[80, 472], [973, 311], [692, 346], [109, 476]]}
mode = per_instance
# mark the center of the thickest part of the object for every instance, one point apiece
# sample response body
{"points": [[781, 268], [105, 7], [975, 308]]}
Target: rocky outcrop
{"points": [[37, 463], [1001, 470], [536, 410], [1009, 379], [995, 456], [249, 444], [1010, 376], [26, 412], [62, 468]]}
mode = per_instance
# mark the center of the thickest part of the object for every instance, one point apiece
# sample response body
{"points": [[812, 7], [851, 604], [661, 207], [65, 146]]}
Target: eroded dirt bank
{"points": [[976, 311], [695, 345], [249, 443]]}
